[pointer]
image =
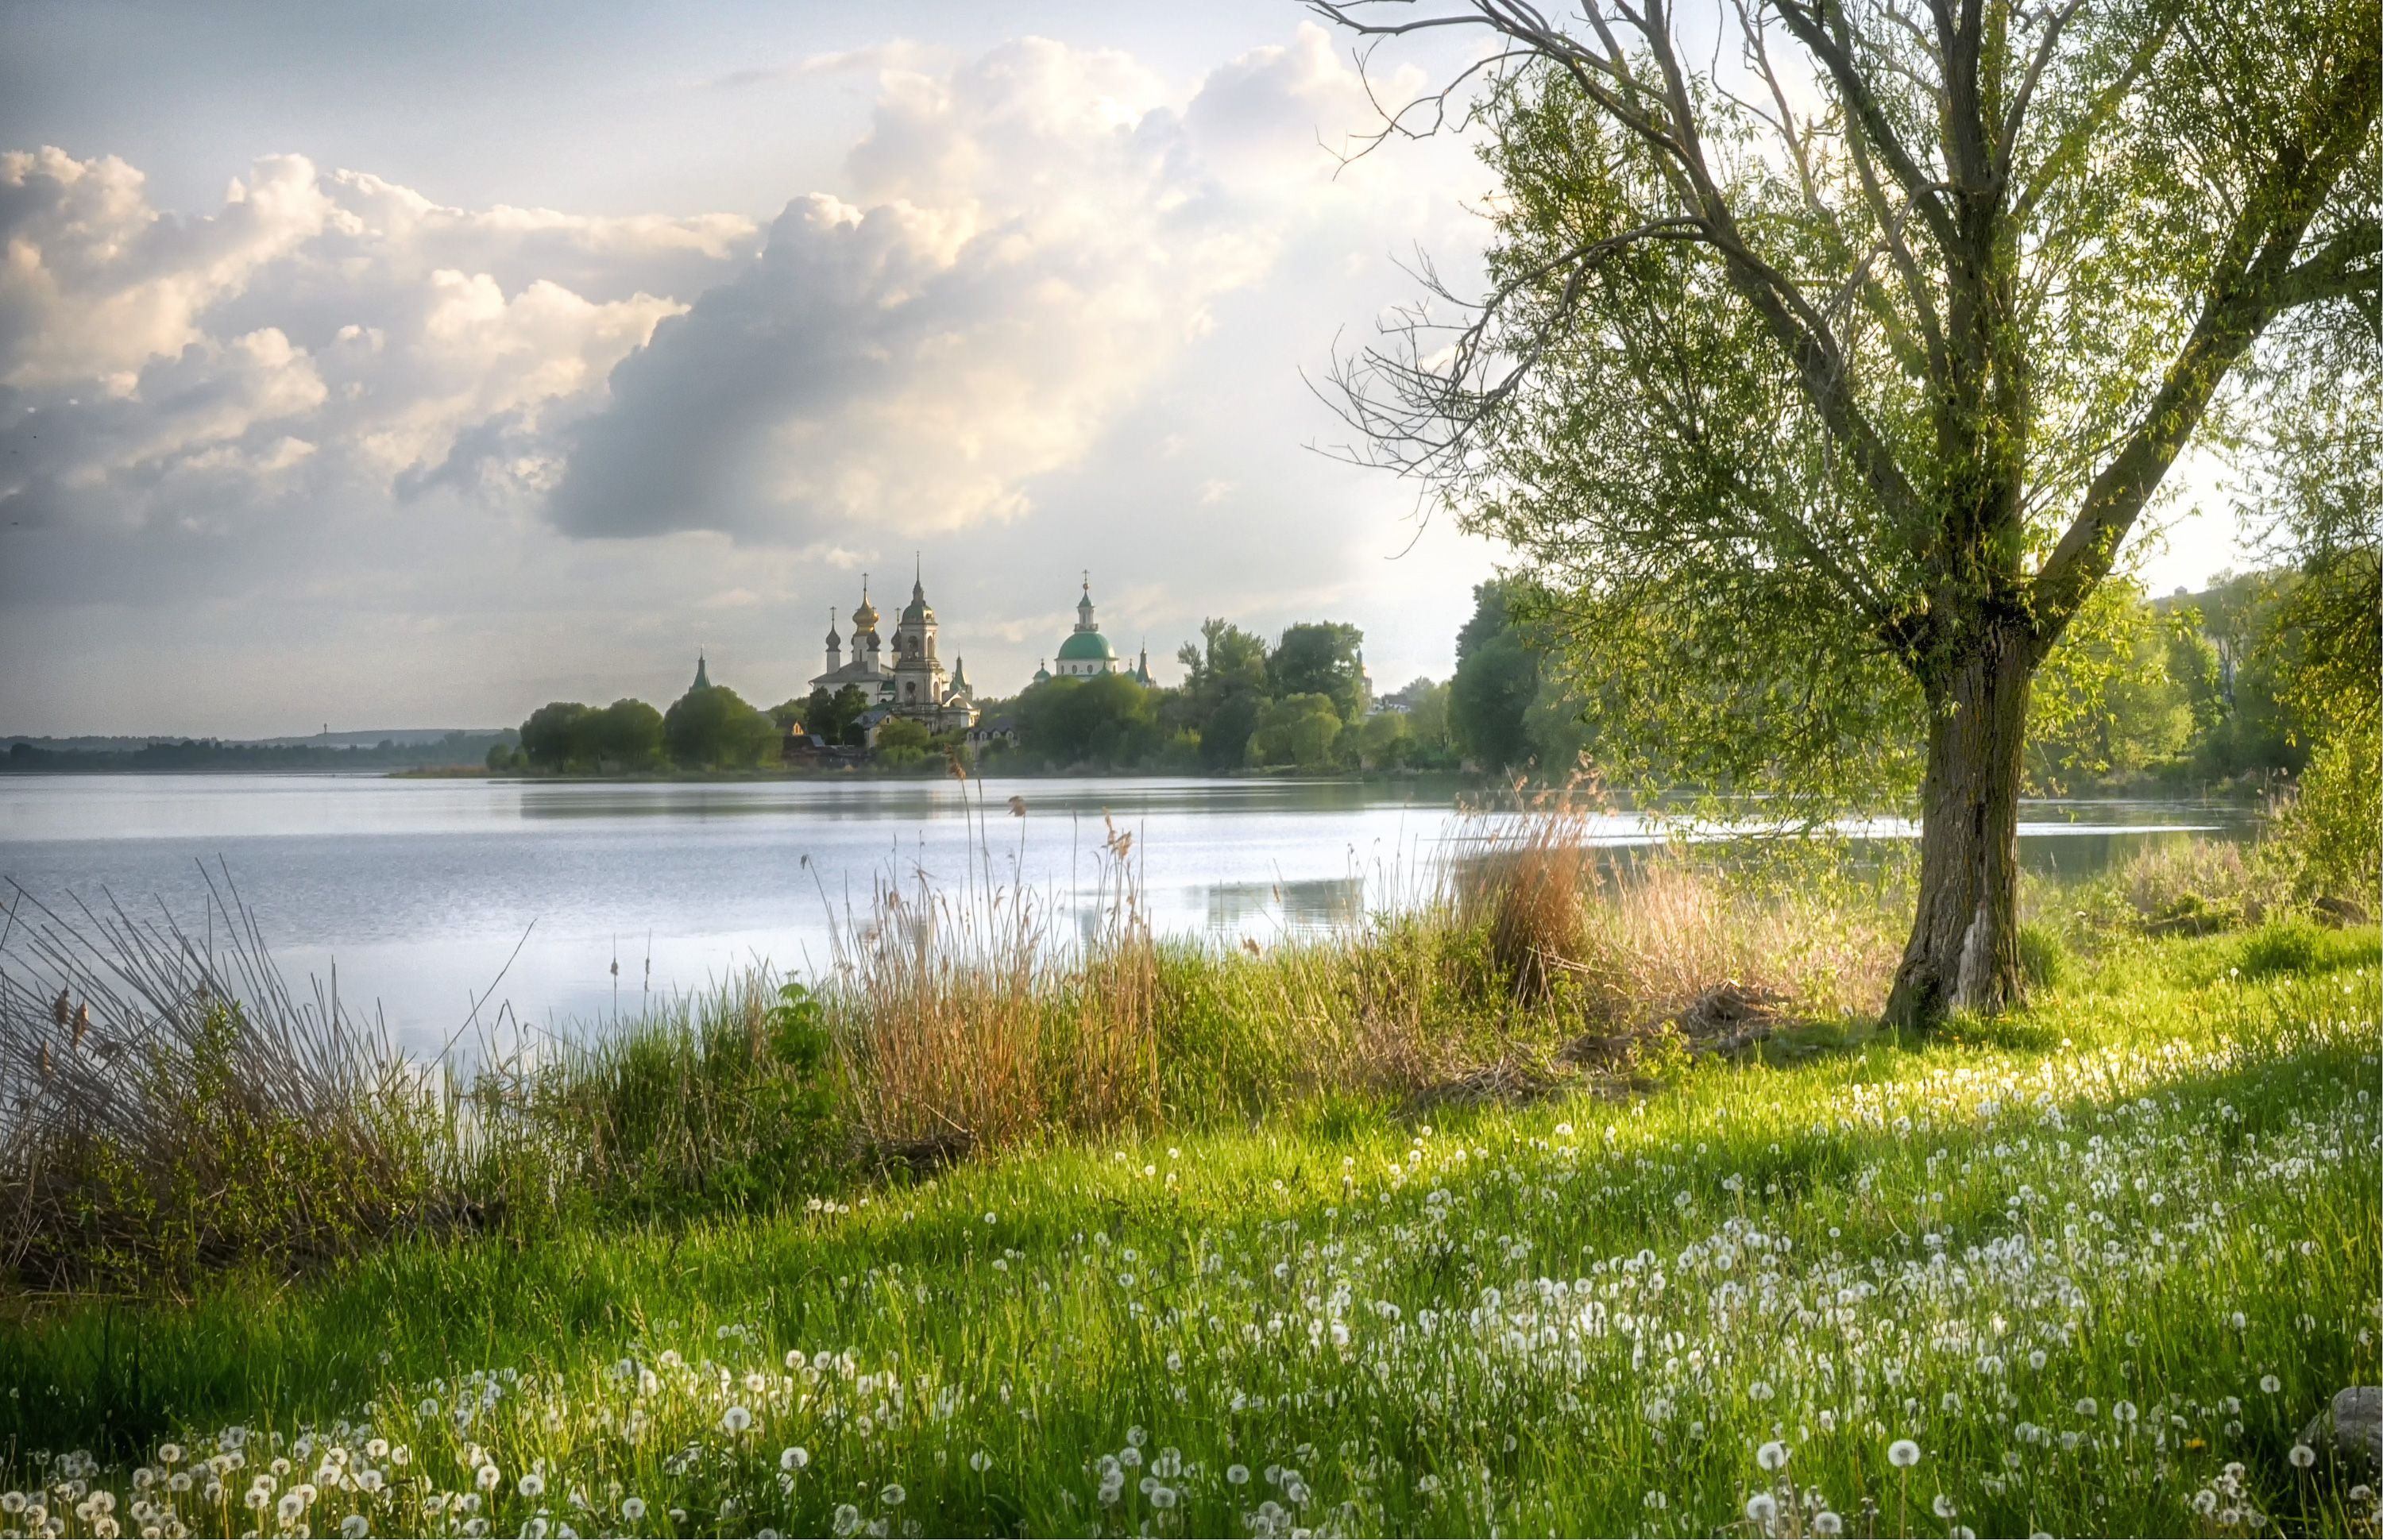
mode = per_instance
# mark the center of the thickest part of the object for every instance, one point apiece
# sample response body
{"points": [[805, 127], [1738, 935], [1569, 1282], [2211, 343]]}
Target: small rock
{"points": [[2349, 1431]]}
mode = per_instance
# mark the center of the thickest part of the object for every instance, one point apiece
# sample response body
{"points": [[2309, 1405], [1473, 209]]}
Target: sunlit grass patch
{"points": [[2095, 1269]]}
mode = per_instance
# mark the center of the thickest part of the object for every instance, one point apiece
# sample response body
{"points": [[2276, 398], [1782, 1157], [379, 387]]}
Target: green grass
{"points": [[1586, 1316]]}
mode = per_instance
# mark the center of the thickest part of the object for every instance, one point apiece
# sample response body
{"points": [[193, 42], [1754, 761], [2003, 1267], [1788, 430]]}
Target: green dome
{"points": [[1087, 647]]}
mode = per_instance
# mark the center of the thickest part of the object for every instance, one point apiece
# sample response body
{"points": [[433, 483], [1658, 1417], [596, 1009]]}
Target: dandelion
{"points": [[633, 1509], [1237, 1475], [793, 1458], [1772, 1456], [2303, 1456], [489, 1477], [1826, 1522], [980, 1462], [1656, 1502], [1764, 1508], [1426, 1484], [847, 1518], [1944, 1506], [531, 1485], [2087, 1405], [1902, 1454], [356, 1526], [290, 1506], [2269, 1383], [1162, 1497], [891, 1495]]}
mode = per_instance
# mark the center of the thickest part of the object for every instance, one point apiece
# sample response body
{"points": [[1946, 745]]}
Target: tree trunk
{"points": [[1963, 954]]}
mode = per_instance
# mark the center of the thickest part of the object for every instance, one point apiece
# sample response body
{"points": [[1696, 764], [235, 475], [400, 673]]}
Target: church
{"points": [[912, 683], [1085, 652]]}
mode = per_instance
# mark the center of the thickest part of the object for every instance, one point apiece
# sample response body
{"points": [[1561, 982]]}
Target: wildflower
{"points": [[489, 1476], [531, 1485], [1237, 1475], [1944, 1506], [847, 1518], [1162, 1497], [1902, 1454], [892, 1495], [356, 1526], [1772, 1456], [290, 1506], [980, 1462], [2269, 1383], [2087, 1405], [1763, 1507], [169, 1454], [1826, 1522], [633, 1509], [793, 1458], [735, 1420], [1426, 1483], [1656, 1501], [2303, 1456]]}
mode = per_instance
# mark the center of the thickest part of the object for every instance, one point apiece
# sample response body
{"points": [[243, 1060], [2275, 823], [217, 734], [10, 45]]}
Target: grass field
{"points": [[2094, 1264]]}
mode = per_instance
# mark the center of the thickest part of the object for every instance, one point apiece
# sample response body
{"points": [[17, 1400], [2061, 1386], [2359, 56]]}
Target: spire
{"points": [[1084, 605], [702, 677], [834, 641]]}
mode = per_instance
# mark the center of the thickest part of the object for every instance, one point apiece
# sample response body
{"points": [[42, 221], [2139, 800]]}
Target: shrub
{"points": [[2042, 956], [2282, 946]]}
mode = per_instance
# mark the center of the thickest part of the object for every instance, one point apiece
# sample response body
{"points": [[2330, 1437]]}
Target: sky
{"points": [[397, 365]]}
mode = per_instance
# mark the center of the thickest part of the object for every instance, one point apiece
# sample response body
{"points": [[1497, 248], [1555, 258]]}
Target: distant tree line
{"points": [[709, 728], [209, 754]]}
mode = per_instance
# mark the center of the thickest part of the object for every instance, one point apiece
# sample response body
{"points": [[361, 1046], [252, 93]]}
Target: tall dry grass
{"points": [[966, 1018], [1640, 935]]}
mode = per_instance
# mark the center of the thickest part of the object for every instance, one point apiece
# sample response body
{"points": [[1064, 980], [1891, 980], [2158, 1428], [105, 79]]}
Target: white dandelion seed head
{"points": [[2269, 1383], [1944, 1506], [2303, 1456], [1772, 1456], [1764, 1508], [1825, 1522], [793, 1458], [1902, 1454], [633, 1509]]}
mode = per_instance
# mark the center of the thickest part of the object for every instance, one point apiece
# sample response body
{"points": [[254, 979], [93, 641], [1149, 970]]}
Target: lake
{"points": [[422, 891]]}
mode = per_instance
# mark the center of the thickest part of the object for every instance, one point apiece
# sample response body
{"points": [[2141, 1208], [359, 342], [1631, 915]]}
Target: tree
{"points": [[1224, 737], [712, 728], [1849, 413], [1384, 740], [902, 742], [1321, 658], [2105, 702], [1106, 720], [829, 717], [551, 738], [1296, 729], [1428, 715], [1497, 679], [625, 735]]}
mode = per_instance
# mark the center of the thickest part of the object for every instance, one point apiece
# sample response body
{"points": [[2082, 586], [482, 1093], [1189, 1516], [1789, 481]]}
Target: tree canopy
{"points": [[1819, 390]]}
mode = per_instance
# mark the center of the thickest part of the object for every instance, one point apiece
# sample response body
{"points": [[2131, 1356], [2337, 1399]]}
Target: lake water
{"points": [[422, 891]]}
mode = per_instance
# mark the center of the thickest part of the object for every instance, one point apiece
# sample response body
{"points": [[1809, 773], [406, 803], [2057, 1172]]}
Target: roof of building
{"points": [[1086, 647]]}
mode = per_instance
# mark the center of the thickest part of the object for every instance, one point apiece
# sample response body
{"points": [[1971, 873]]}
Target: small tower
{"points": [[959, 680], [835, 644]]}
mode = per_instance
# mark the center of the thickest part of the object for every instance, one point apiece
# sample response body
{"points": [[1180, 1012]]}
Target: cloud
{"points": [[313, 331], [1028, 241]]}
